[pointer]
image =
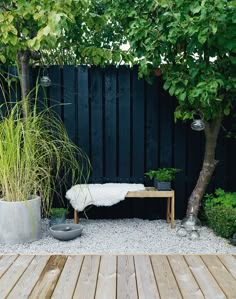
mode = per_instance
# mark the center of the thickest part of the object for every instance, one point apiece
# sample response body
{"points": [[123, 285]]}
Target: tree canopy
{"points": [[194, 43], [70, 31]]}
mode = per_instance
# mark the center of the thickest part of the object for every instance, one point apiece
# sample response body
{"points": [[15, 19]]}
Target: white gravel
{"points": [[124, 236]]}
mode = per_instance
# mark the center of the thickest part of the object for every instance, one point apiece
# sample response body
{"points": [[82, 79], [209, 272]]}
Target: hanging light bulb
{"points": [[45, 81], [198, 123]]}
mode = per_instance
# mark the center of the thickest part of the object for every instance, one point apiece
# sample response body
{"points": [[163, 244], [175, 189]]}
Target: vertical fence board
{"points": [[97, 124], [69, 101], [138, 128], [124, 123], [83, 109], [180, 163], [55, 96], [110, 124], [152, 126], [166, 128]]}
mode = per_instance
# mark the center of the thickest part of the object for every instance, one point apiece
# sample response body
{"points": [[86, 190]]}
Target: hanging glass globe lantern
{"points": [[198, 123], [190, 222], [194, 234], [45, 81], [182, 232]]}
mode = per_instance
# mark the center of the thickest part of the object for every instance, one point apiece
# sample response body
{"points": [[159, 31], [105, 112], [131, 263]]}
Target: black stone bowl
{"points": [[66, 232]]}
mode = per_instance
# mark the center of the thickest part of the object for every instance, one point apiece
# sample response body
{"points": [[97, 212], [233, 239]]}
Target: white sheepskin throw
{"points": [[81, 196]]}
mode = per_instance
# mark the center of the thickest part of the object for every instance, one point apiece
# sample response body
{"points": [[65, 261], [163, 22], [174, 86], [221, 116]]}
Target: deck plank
{"points": [[106, 285], [146, 283], [10, 278], [165, 279], [49, 277], [186, 282], [87, 282], [205, 280], [126, 281], [230, 263], [221, 275], [117, 277], [29, 278], [5, 262], [66, 284]]}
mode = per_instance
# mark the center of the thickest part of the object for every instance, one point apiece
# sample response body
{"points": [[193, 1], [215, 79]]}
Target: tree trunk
{"points": [[23, 58], [209, 164]]}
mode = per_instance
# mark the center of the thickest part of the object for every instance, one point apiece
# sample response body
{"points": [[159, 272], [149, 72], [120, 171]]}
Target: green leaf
{"points": [[172, 90], [167, 85], [13, 40], [2, 58], [202, 37], [182, 96], [196, 9]]}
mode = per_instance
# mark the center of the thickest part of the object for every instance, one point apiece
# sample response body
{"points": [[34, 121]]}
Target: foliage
{"points": [[35, 153], [194, 43], [220, 212], [59, 32], [162, 174], [58, 212]]}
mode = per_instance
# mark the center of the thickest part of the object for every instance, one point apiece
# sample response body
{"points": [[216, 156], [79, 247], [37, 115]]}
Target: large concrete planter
{"points": [[20, 222]]}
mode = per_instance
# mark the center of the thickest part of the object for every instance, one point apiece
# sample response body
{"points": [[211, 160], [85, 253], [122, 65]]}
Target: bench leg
{"points": [[173, 211], [76, 216], [168, 210]]}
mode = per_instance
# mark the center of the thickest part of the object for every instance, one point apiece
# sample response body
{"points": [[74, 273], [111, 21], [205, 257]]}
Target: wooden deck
{"points": [[122, 277]]}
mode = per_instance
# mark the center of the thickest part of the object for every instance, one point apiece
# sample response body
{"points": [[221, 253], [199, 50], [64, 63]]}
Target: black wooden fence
{"points": [[126, 127]]}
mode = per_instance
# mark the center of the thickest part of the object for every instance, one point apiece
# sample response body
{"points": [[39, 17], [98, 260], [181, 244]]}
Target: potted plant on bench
{"points": [[162, 177]]}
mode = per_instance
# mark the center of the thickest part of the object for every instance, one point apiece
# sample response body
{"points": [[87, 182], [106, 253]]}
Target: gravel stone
{"points": [[124, 236]]}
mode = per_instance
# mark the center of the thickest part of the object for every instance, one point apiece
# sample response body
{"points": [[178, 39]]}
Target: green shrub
{"points": [[219, 210]]}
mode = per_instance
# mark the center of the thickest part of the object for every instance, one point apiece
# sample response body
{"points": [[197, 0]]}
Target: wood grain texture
{"points": [[147, 288], [29, 278], [150, 192], [68, 278], [10, 278], [126, 281], [117, 277], [205, 280], [87, 281], [106, 285], [48, 278], [230, 263], [165, 279], [221, 275], [186, 282], [5, 262]]}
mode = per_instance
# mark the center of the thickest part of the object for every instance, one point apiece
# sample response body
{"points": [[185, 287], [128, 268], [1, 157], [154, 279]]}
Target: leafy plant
{"points": [[162, 174], [58, 212], [219, 210], [36, 153]]}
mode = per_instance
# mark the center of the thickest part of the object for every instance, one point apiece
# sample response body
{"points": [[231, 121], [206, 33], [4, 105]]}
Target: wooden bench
{"points": [[151, 192]]}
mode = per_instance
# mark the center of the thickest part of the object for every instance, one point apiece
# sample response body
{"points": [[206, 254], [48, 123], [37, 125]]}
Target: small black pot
{"points": [[162, 186]]}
